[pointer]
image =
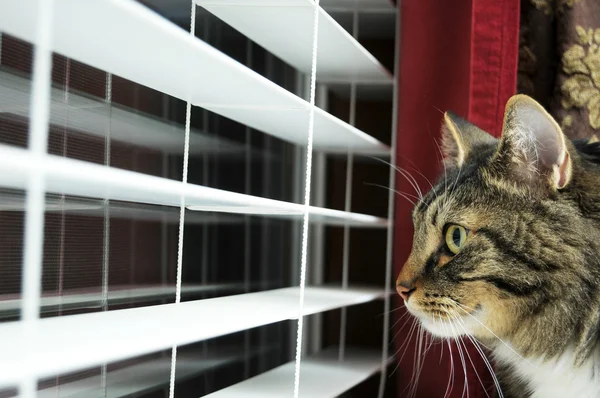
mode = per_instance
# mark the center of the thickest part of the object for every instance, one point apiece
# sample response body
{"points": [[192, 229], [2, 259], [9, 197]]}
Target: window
{"points": [[153, 220]]}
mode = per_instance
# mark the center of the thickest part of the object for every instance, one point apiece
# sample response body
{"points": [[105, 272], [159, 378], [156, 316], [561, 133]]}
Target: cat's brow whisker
{"points": [[392, 190], [459, 171], [404, 195], [409, 177], [426, 179], [444, 163]]}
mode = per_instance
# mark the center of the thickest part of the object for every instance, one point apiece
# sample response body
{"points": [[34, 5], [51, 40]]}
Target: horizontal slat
{"points": [[321, 376], [12, 201], [285, 28], [79, 178], [144, 47], [149, 375], [63, 344], [15, 201], [118, 295], [90, 116]]}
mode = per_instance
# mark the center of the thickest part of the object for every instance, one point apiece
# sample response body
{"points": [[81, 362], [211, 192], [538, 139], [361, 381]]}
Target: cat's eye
{"points": [[455, 237]]}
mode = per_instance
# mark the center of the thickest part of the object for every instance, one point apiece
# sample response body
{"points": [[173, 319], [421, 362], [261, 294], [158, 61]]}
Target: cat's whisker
{"points": [[442, 350], [431, 342], [487, 363], [444, 163], [477, 346], [458, 175], [417, 357], [402, 328], [412, 168], [420, 356], [409, 177], [405, 345], [427, 180], [422, 364], [399, 361], [451, 377], [394, 310], [462, 359], [489, 330], [399, 319], [403, 194], [418, 326], [461, 340]]}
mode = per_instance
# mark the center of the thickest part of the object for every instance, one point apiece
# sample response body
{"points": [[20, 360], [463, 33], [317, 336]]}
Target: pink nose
{"points": [[404, 291]]}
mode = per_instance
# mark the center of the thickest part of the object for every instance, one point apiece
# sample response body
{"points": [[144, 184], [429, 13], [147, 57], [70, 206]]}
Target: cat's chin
{"points": [[446, 330], [440, 328]]}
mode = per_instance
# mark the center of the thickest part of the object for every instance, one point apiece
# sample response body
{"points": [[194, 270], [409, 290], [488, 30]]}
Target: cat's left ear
{"points": [[533, 146]]}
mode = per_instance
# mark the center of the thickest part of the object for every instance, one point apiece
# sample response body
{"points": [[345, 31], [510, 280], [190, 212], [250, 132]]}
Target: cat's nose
{"points": [[405, 291]]}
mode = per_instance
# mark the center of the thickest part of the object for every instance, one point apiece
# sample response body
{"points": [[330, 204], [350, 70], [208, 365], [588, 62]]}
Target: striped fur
{"points": [[528, 276]]}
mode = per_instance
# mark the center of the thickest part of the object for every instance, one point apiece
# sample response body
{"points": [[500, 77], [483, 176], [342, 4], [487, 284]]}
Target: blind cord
{"points": [[106, 233], [309, 147], [186, 156]]}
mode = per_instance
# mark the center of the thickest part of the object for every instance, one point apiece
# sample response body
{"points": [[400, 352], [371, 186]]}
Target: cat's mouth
{"points": [[443, 320]]}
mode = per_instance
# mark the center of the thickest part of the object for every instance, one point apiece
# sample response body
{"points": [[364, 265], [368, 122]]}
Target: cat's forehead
{"points": [[457, 197]]}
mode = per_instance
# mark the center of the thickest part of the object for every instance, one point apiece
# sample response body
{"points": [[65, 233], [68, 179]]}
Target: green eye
{"points": [[456, 236]]}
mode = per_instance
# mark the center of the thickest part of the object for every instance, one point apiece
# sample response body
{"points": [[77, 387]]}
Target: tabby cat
{"points": [[507, 249]]}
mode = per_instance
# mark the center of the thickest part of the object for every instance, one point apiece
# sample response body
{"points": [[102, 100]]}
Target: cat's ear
{"points": [[533, 147], [460, 138]]}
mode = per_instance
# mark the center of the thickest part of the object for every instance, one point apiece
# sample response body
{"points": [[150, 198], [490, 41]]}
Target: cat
{"points": [[506, 249]]}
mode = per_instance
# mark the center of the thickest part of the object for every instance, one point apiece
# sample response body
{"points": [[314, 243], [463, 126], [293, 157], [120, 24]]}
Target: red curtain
{"points": [[458, 55]]}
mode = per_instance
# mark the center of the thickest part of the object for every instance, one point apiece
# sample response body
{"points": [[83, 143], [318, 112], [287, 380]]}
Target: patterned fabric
{"points": [[559, 61]]}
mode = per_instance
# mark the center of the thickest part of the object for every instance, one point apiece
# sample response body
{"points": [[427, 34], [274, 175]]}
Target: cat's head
{"points": [[500, 236]]}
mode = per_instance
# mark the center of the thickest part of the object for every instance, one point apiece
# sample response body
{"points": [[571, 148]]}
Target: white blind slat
{"points": [[89, 116], [149, 375], [197, 72], [117, 295], [68, 343], [80, 178], [285, 29], [322, 375]]}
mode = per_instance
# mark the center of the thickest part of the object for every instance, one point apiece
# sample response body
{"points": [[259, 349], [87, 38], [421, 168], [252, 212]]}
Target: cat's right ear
{"points": [[459, 138]]}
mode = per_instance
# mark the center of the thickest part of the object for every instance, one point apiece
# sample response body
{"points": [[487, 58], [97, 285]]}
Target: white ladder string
{"points": [[390, 229], [35, 198], [186, 156], [106, 232], [309, 148]]}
